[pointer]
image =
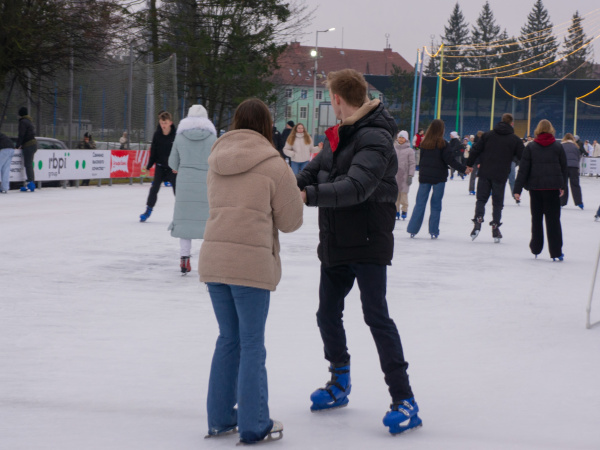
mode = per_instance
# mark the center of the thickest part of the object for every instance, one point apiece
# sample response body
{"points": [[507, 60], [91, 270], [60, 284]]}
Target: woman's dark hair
{"points": [[253, 114], [434, 136]]}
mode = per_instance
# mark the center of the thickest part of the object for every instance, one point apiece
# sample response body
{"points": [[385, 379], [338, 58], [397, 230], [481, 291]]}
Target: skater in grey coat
{"points": [[405, 174], [189, 159]]}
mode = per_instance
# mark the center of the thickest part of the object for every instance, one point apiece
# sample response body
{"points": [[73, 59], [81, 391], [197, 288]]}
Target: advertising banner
{"points": [[590, 166], [61, 164]]}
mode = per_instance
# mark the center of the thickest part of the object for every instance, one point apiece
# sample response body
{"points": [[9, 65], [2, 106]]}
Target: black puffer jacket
{"points": [[457, 147], [496, 149], [542, 168], [26, 132], [6, 142], [433, 165], [355, 189], [573, 153], [160, 149]]}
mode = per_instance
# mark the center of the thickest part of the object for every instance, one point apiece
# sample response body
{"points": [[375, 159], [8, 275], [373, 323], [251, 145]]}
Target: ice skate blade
{"points": [[474, 235], [234, 430], [275, 434], [414, 423], [329, 406], [496, 240]]}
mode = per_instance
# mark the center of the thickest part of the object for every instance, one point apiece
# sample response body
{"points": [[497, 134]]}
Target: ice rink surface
{"points": [[104, 345]]}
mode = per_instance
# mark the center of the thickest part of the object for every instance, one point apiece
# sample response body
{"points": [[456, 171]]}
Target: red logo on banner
{"points": [[129, 163]]}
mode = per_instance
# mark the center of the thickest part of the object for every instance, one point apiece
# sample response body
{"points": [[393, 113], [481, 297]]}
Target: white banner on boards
{"points": [[590, 166], [62, 164]]}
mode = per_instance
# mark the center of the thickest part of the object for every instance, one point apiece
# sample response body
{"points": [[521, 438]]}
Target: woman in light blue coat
{"points": [[189, 159]]}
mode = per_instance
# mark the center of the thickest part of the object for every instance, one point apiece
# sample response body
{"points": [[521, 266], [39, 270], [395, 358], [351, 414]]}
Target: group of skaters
{"points": [[546, 168], [237, 192]]}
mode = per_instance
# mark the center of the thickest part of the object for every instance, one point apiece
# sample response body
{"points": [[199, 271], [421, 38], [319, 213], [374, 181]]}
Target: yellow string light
{"points": [[589, 104], [542, 90], [589, 93], [450, 81]]}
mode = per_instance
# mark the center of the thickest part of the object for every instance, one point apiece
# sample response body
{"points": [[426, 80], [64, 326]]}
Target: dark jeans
{"points": [[472, 179], [336, 283], [573, 179], [546, 204], [28, 153], [485, 187], [161, 173]]}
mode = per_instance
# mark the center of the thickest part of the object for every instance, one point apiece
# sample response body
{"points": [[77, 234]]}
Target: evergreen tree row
{"points": [[487, 50]]}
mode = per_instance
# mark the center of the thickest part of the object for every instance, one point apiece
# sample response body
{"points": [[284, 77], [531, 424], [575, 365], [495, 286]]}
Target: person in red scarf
{"points": [[543, 172]]}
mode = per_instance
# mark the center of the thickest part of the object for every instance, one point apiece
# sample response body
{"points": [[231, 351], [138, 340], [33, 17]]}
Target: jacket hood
{"points": [[545, 139], [27, 116], [196, 128], [504, 128], [371, 114], [239, 151]]}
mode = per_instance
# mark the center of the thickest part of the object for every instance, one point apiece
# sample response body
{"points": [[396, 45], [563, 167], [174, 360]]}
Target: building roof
{"points": [[296, 64]]}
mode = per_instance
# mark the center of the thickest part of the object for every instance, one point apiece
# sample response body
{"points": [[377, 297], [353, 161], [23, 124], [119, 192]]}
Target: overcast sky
{"points": [[411, 24]]}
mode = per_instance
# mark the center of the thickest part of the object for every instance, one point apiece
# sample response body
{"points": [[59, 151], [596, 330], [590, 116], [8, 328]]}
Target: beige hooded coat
{"points": [[252, 193]]}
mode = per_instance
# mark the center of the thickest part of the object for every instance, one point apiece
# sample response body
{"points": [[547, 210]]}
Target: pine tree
{"points": [[433, 66], [455, 34], [538, 42], [510, 54], [576, 41], [485, 54]]}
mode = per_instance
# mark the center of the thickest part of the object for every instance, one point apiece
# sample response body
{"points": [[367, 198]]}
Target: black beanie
{"points": [[291, 123], [23, 111]]}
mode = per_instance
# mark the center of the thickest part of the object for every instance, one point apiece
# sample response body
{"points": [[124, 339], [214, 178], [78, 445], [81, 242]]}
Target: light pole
{"points": [[315, 54]]}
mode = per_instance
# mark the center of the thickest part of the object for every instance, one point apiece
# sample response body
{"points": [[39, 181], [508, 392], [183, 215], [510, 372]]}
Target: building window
{"points": [[288, 112], [303, 94], [303, 112], [288, 93], [319, 95]]}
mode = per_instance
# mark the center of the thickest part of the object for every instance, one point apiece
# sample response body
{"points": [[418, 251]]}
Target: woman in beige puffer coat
{"points": [[252, 195]]}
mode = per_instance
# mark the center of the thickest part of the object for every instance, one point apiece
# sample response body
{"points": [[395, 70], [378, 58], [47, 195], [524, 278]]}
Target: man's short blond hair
{"points": [[165, 115], [348, 84]]}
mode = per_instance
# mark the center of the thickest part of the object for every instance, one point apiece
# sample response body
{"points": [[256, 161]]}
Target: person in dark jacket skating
{"points": [[27, 143], [160, 150], [543, 172], [458, 149], [496, 149], [574, 154], [352, 181], [436, 156]]}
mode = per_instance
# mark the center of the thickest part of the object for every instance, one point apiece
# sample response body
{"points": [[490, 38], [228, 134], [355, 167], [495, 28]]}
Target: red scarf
{"points": [[545, 139], [333, 137]]}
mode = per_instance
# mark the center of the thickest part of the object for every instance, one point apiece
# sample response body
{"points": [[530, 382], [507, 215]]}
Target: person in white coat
{"points": [[195, 137], [405, 174], [299, 147]]}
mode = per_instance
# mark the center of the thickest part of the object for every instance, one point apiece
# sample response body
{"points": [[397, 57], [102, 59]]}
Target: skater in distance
{"points": [[356, 197], [405, 174], [195, 137]]}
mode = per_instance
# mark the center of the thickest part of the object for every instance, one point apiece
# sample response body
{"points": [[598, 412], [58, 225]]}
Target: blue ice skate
{"points": [[30, 187], [402, 416], [403, 215], [336, 391], [145, 215]]}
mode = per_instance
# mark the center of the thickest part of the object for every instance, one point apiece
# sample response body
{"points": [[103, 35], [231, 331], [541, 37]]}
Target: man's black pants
{"points": [[545, 204], [28, 153], [485, 187], [161, 173], [336, 283]]}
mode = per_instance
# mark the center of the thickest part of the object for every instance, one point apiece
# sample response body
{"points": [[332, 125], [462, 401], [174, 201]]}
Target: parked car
{"points": [[45, 143]]}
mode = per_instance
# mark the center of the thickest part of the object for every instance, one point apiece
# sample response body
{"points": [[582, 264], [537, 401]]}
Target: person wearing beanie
{"points": [[405, 174], [458, 148], [194, 139], [160, 149], [28, 145]]}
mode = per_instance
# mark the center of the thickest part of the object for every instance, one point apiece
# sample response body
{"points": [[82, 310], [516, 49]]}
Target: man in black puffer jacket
{"points": [[496, 151], [352, 181]]}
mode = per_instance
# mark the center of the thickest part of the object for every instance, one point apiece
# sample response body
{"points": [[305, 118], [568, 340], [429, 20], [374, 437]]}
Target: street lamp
{"points": [[315, 54]]}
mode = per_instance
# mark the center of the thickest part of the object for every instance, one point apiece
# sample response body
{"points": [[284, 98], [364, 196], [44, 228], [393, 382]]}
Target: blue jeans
{"points": [[238, 373], [511, 176], [298, 167], [6, 155], [416, 219]]}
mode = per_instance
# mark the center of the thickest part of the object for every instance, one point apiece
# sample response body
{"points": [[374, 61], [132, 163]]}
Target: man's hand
{"points": [[303, 194], [517, 197], [320, 146], [562, 192], [469, 170]]}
